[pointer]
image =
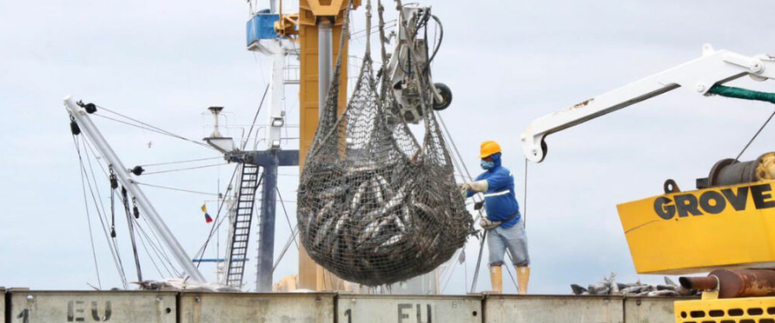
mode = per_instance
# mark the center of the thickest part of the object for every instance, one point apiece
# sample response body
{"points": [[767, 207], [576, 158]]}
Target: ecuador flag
{"points": [[207, 216]]}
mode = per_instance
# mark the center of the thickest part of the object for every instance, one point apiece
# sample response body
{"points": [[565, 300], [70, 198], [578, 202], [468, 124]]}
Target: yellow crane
{"points": [[316, 28], [724, 225]]}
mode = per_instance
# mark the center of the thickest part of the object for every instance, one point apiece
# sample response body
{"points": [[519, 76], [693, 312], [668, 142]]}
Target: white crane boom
{"points": [[697, 76]]}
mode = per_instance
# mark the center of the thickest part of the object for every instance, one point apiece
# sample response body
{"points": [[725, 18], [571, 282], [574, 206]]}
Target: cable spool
{"points": [[730, 171]]}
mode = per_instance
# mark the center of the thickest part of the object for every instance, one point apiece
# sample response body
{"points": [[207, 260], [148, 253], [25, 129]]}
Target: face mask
{"points": [[487, 164]]}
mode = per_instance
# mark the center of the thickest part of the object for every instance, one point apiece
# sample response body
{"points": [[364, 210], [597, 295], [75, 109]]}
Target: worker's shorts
{"points": [[512, 239]]}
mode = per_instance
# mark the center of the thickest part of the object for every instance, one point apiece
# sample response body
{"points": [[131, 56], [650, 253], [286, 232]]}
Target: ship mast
{"points": [[90, 130]]}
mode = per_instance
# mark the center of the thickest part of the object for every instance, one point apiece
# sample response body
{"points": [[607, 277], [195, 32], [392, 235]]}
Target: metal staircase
{"points": [[242, 218]]}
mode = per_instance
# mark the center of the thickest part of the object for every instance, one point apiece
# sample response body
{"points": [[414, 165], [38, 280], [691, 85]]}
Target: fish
{"points": [[333, 192], [632, 290], [356, 200], [578, 290], [400, 222], [612, 283], [662, 293], [378, 191], [666, 287], [322, 232]]}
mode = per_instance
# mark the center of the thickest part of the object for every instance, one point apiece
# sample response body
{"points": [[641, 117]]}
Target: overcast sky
{"points": [[507, 62]]}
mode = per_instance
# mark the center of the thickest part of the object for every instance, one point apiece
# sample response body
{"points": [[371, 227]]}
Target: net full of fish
{"points": [[375, 206]]}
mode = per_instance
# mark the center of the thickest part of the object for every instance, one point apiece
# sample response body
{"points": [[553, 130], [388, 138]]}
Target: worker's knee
{"points": [[497, 263], [524, 263]]}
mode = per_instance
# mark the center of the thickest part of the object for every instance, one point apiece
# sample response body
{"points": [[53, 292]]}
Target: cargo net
{"points": [[374, 205]]}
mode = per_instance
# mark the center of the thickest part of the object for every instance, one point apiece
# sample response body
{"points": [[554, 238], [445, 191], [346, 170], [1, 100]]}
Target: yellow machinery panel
{"points": [[731, 310], [697, 231]]}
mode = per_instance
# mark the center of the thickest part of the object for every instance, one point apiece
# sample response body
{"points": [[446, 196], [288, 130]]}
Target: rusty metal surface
{"points": [[745, 282], [553, 309], [252, 307], [649, 310], [114, 307], [406, 309], [735, 282], [582, 104], [700, 283]]}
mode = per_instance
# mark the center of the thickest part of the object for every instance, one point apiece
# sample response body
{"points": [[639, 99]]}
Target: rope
{"points": [[150, 128], [478, 262], [740, 93], [156, 251], [282, 203], [184, 169], [176, 189], [388, 24], [160, 252], [217, 216], [180, 162], [88, 214], [260, 105], [509, 272], [383, 50], [368, 27], [102, 215], [745, 94], [125, 199], [754, 136], [524, 206], [452, 271], [113, 186], [291, 239], [150, 256]]}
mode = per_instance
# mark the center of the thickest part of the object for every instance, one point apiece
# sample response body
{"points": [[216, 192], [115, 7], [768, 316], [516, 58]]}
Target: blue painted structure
{"points": [[270, 161], [261, 26]]}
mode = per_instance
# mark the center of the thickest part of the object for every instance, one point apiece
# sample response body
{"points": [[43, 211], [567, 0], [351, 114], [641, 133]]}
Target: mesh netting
{"points": [[374, 205]]}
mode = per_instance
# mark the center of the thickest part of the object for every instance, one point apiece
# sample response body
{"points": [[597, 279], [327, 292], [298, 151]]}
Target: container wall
{"points": [[248, 307], [649, 310], [408, 309], [189, 307], [114, 307], [553, 309]]}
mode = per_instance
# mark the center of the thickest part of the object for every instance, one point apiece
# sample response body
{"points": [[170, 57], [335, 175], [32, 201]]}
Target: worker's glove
{"points": [[487, 224], [478, 205], [463, 191], [478, 186]]}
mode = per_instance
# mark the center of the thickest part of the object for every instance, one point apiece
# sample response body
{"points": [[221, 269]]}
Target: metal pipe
{"points": [[90, 130], [325, 61], [735, 282], [266, 226], [699, 283], [276, 109]]}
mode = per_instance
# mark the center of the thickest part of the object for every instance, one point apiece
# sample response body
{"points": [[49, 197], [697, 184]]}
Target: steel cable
{"points": [[103, 219], [88, 214]]}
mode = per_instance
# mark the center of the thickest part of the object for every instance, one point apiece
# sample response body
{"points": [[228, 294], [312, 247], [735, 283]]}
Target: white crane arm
{"points": [[697, 76]]}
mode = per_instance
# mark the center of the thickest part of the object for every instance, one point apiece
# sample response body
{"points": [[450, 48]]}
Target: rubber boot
{"points": [[523, 276], [496, 278]]}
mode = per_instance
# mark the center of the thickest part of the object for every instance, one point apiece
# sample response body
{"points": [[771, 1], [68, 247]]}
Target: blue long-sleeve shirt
{"points": [[500, 200]]}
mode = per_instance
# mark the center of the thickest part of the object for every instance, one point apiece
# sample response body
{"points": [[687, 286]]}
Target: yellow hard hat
{"points": [[488, 148]]}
